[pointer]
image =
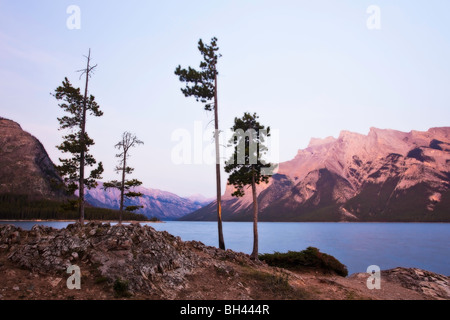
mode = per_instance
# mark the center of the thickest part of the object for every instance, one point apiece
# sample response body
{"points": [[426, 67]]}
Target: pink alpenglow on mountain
{"points": [[387, 175]]}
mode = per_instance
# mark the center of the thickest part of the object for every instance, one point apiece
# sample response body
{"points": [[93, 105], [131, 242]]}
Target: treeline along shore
{"points": [[26, 207]]}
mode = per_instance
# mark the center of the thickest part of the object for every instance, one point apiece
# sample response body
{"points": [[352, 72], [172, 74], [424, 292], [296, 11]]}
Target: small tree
{"points": [[128, 141], [246, 164], [77, 141], [203, 86]]}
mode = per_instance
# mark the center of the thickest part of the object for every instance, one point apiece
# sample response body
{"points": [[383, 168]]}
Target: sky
{"points": [[307, 68]]}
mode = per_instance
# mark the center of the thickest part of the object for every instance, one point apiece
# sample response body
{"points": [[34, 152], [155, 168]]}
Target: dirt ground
{"points": [[238, 282]]}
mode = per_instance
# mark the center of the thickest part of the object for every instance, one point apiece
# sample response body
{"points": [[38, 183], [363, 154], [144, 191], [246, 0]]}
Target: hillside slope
{"points": [[25, 167]]}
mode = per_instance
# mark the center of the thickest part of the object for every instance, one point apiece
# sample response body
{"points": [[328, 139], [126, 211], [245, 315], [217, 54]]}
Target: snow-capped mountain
{"points": [[157, 203], [387, 175], [200, 199]]}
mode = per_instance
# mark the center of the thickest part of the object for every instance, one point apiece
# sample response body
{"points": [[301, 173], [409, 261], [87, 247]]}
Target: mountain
{"points": [[160, 204], [200, 199], [25, 167], [387, 175]]}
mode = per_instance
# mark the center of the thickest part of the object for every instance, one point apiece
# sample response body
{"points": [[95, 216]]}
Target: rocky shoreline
{"points": [[137, 262]]}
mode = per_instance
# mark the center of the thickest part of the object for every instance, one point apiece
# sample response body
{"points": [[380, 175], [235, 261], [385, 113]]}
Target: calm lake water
{"points": [[357, 245]]}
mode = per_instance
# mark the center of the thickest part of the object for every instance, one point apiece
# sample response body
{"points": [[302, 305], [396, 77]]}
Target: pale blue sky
{"points": [[308, 68]]}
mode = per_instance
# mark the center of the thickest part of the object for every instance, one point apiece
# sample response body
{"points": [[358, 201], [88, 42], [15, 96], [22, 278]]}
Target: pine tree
{"points": [[203, 86], [128, 141], [77, 141], [246, 164]]}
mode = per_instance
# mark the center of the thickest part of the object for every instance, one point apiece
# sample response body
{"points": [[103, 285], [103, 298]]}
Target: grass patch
{"points": [[276, 285], [121, 289], [352, 295], [101, 280], [311, 258]]}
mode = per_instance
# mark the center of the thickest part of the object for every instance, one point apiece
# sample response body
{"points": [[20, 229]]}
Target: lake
{"points": [[357, 245]]}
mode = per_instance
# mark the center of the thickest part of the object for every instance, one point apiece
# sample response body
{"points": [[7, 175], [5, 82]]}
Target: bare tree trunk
{"points": [[83, 146], [254, 254], [122, 189], [218, 182]]}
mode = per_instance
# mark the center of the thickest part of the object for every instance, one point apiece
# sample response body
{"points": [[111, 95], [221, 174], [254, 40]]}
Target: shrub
{"points": [[100, 280], [121, 288], [311, 258]]}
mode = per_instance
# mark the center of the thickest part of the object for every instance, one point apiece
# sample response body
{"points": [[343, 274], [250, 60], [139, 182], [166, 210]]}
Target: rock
{"points": [[225, 270], [9, 234], [153, 263], [15, 237], [10, 273], [54, 281], [16, 288], [429, 283], [157, 260]]}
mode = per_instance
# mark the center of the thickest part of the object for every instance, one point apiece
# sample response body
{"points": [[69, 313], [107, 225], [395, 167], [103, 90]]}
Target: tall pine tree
{"points": [[128, 141], [202, 84], [246, 164], [77, 142]]}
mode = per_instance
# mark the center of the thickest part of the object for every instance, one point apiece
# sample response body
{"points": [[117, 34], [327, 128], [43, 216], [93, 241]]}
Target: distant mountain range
{"points": [[26, 169], [160, 204], [386, 175]]}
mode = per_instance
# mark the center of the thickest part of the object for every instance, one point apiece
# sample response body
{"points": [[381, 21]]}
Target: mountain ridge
{"points": [[157, 203], [386, 175], [27, 170], [25, 166]]}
